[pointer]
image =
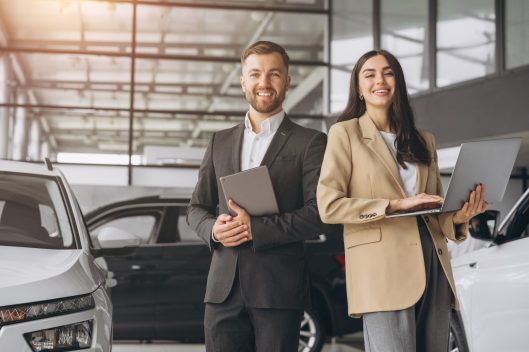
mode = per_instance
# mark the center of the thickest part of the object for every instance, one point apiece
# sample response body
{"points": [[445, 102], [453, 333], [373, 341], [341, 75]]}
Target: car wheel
{"points": [[457, 341], [312, 336]]}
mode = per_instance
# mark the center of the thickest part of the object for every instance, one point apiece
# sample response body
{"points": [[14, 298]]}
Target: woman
{"points": [[376, 163]]}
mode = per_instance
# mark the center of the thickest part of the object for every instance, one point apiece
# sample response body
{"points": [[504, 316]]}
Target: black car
{"points": [[161, 286]]}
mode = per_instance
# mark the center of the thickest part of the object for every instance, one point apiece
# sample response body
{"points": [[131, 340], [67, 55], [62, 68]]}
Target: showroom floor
{"points": [[200, 348], [350, 343]]}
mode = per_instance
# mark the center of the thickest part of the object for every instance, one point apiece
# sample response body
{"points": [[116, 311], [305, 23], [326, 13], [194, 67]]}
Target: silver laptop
{"points": [[489, 162], [252, 189]]}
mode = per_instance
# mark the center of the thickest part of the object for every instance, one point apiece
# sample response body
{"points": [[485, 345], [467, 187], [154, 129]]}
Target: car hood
{"points": [[31, 274]]}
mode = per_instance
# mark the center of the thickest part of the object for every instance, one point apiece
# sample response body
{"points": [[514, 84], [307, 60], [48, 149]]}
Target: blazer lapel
{"points": [[236, 147], [277, 143], [376, 143]]}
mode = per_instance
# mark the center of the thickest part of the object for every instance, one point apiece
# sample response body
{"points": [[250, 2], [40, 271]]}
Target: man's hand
{"points": [[242, 217], [229, 231]]}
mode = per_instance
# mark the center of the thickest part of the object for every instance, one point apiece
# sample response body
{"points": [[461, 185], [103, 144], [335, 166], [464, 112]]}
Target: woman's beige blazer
{"points": [[384, 261]]}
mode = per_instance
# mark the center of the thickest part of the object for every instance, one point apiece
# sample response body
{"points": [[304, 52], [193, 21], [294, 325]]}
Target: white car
{"points": [[53, 295], [493, 285]]}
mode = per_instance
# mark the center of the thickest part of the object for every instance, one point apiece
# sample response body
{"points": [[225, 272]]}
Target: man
{"points": [[258, 281]]}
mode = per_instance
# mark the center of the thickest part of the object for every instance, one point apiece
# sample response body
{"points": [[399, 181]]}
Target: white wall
{"points": [[96, 185]]}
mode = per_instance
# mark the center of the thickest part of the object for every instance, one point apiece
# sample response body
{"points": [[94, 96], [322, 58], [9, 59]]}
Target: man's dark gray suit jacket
{"points": [[271, 268]]}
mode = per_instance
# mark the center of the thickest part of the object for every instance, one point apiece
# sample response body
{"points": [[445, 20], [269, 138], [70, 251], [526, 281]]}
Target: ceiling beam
{"points": [[139, 55], [124, 46]]}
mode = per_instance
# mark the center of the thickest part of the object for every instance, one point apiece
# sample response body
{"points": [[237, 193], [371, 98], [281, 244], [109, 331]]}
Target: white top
{"points": [[409, 175], [255, 145]]}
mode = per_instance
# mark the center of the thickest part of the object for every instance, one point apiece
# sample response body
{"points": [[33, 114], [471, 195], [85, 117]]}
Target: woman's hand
{"points": [[476, 205], [418, 202]]}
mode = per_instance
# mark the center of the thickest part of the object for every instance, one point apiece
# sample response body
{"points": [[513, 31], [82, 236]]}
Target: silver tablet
{"points": [[252, 189]]}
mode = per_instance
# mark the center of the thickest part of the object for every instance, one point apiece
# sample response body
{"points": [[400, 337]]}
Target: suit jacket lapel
{"points": [[279, 140], [376, 143], [236, 147]]}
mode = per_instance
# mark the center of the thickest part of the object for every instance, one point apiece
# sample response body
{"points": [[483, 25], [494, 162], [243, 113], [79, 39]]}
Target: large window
{"points": [[352, 36], [143, 80], [465, 40], [517, 33], [404, 34]]}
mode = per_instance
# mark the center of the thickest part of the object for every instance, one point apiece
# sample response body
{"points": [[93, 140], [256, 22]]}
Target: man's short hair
{"points": [[265, 47]]}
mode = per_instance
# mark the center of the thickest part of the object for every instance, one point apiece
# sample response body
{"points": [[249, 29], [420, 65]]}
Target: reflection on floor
{"points": [[349, 343], [336, 347]]}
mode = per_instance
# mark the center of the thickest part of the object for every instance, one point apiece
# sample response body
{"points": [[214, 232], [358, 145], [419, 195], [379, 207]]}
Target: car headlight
{"points": [[61, 338], [33, 311]]}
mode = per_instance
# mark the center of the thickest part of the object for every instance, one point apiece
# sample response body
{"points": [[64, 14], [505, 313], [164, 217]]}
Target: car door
{"points": [[184, 266], [499, 280], [134, 296]]}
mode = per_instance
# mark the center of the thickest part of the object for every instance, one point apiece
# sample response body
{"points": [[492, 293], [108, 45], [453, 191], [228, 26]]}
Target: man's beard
{"points": [[264, 107]]}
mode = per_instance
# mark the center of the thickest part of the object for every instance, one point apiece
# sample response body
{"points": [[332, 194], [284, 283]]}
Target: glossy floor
{"points": [[337, 347], [350, 343]]}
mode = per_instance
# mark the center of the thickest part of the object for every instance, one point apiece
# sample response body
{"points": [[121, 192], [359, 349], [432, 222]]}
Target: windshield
{"points": [[32, 213]]}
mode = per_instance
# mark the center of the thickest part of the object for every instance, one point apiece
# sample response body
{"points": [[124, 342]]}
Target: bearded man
{"points": [[258, 284]]}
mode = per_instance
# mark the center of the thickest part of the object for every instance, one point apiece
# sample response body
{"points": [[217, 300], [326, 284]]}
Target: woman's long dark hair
{"points": [[411, 147]]}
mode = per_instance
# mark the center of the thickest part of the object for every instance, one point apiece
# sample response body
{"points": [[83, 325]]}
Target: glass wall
{"points": [[466, 33], [404, 29], [352, 36], [68, 25], [75, 76], [192, 88], [517, 33]]}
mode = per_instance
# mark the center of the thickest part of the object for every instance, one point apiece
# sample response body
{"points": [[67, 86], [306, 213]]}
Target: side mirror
{"points": [[483, 226], [112, 237]]}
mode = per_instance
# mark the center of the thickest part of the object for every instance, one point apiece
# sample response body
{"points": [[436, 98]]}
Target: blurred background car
{"points": [[493, 284], [160, 290], [53, 295]]}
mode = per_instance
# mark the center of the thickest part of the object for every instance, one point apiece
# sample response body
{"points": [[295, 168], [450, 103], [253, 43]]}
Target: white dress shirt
{"points": [[255, 145], [409, 175]]}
